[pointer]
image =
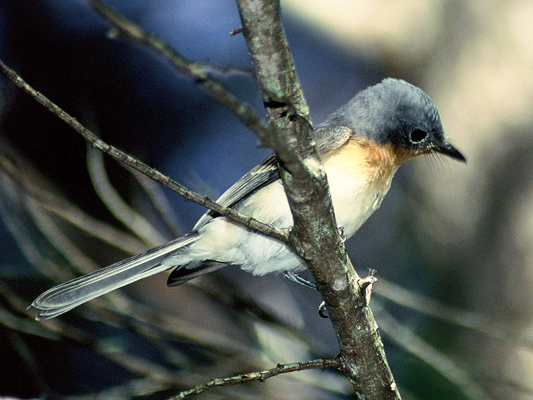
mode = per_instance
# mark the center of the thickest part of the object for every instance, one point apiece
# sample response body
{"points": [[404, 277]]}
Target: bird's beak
{"points": [[450, 151]]}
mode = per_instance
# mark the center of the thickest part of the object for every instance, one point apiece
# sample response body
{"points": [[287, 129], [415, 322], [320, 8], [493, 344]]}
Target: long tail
{"points": [[69, 295]]}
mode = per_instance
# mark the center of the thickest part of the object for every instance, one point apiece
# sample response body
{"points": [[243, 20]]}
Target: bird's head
{"points": [[398, 113]]}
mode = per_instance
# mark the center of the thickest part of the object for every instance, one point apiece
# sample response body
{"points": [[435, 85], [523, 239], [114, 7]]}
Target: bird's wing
{"points": [[328, 138], [331, 137], [263, 174]]}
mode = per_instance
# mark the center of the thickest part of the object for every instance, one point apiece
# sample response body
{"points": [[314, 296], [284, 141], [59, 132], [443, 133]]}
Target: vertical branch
{"points": [[314, 237]]}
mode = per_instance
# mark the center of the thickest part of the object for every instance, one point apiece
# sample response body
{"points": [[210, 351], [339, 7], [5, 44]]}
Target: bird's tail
{"points": [[69, 295]]}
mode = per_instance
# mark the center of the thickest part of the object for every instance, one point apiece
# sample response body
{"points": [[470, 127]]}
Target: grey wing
{"points": [[259, 177], [328, 137]]}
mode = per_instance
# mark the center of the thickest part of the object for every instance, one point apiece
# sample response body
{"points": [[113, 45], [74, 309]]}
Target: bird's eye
{"points": [[418, 135]]}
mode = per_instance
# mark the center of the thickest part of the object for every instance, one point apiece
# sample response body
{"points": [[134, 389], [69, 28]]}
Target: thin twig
{"points": [[21, 230], [198, 72], [260, 376], [409, 340], [114, 202], [24, 184], [61, 240], [16, 323], [160, 203], [138, 165], [456, 316], [25, 354]]}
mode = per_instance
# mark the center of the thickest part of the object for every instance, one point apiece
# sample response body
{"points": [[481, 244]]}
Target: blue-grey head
{"points": [[396, 112]]}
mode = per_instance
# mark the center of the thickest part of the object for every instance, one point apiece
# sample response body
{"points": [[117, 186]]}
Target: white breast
{"points": [[357, 190]]}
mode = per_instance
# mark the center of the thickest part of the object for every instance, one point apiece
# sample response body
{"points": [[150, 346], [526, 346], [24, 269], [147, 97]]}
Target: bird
{"points": [[361, 145]]}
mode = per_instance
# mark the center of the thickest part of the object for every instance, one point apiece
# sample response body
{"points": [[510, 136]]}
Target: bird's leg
{"points": [[322, 311], [298, 279], [365, 286], [342, 234]]}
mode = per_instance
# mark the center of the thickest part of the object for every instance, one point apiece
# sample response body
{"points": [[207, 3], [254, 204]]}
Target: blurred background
{"points": [[452, 244]]}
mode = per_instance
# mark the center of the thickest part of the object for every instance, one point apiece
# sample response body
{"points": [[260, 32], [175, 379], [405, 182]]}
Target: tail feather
{"points": [[186, 273], [69, 295]]}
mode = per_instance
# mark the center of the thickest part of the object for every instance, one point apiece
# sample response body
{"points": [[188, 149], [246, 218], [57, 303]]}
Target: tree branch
{"points": [[402, 335], [138, 165], [198, 72], [315, 236], [260, 376]]}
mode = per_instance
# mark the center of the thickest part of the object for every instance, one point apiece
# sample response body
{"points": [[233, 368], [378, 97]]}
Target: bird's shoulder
{"points": [[257, 178]]}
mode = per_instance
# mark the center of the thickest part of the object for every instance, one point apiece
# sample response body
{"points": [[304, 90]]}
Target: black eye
{"points": [[418, 135]]}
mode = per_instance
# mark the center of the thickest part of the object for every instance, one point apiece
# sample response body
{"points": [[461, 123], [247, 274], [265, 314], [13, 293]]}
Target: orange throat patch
{"points": [[377, 162], [386, 156]]}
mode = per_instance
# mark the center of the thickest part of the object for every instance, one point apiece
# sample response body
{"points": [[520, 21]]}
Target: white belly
{"points": [[355, 197]]}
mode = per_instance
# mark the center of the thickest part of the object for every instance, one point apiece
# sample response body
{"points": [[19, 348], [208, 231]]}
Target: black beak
{"points": [[450, 151]]}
